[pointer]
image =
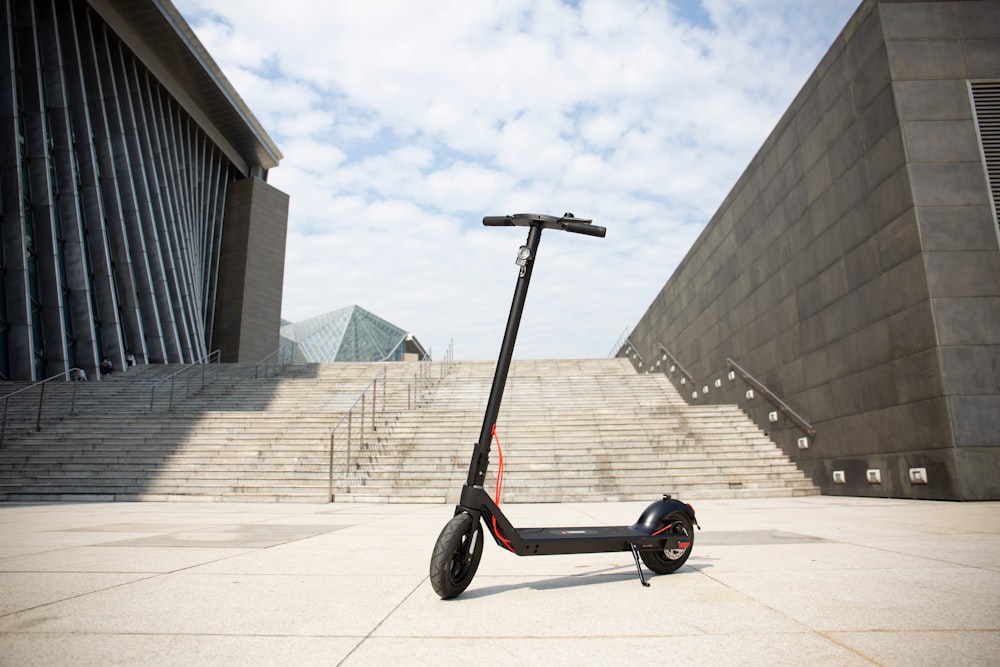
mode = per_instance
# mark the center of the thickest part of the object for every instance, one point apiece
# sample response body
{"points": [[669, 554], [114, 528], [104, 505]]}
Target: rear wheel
{"points": [[665, 561], [456, 556]]}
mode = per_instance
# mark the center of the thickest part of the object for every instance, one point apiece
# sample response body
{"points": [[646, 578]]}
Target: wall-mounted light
{"points": [[718, 383], [672, 368], [838, 477], [918, 475], [684, 381], [694, 394], [704, 389], [772, 416], [749, 394], [803, 443], [873, 475], [732, 375]]}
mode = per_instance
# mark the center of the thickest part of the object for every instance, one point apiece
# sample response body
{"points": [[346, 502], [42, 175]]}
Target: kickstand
{"points": [[638, 567]]}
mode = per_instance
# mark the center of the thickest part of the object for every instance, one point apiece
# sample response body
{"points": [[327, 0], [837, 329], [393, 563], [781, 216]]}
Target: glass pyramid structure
{"points": [[348, 334]]}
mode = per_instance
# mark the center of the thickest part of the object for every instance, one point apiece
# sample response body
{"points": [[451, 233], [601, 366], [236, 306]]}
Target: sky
{"points": [[403, 123]]}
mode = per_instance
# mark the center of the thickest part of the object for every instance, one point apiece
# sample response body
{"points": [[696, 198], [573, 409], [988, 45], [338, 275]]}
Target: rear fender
{"points": [[652, 517]]}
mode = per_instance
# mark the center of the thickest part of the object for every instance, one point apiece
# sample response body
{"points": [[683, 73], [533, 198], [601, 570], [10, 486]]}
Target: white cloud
{"points": [[403, 123]]}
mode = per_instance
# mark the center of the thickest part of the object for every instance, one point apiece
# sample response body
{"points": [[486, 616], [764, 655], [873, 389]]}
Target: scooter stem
{"points": [[481, 455]]}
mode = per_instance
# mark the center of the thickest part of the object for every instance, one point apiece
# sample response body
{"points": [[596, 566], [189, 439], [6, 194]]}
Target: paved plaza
{"points": [[815, 580]]}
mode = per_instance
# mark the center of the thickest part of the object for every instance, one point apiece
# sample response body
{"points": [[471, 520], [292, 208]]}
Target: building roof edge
{"points": [[160, 37]]}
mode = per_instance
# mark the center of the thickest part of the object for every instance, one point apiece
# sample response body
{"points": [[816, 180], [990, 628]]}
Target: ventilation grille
{"points": [[986, 98]]}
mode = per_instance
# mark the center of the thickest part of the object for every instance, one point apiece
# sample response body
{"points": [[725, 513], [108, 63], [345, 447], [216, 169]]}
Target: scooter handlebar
{"points": [[567, 223], [585, 228]]}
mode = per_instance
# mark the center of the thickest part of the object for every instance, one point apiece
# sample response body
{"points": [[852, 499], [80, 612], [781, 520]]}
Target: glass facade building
{"points": [[133, 195], [348, 334]]}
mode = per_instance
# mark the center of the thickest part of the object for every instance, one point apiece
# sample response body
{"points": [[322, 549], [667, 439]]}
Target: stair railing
{"points": [[272, 364], [736, 370], [359, 406], [418, 383], [675, 365], [23, 395], [772, 398], [617, 347], [632, 352], [449, 356], [187, 376]]}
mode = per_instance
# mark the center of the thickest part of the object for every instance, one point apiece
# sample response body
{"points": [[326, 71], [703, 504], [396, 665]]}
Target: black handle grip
{"points": [[584, 228], [567, 223]]}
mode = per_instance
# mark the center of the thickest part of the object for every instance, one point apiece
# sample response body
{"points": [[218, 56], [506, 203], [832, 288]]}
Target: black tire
{"points": [[665, 561], [456, 556]]}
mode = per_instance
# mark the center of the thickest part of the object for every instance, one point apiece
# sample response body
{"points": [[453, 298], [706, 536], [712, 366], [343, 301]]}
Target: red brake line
{"points": [[499, 488], [499, 467]]}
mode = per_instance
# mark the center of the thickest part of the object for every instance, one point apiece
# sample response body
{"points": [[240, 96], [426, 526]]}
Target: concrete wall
{"points": [[252, 263], [854, 268], [934, 51]]}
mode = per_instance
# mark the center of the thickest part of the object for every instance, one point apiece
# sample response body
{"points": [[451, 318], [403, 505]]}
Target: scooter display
{"points": [[663, 535]]}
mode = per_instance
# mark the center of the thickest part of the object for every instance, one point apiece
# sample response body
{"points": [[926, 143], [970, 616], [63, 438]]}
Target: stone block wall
{"points": [[854, 268]]}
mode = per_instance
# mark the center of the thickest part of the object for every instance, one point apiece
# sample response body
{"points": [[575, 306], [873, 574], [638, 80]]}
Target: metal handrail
{"points": [[449, 356], [66, 374], [203, 362], [349, 418], [268, 361], [635, 351], [617, 347], [772, 397], [677, 364], [421, 378]]}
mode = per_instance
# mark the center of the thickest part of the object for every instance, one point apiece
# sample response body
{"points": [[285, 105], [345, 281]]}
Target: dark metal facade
{"points": [[854, 269], [112, 199]]}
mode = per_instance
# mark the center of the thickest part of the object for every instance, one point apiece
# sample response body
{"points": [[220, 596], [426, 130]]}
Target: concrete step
{"points": [[589, 429]]}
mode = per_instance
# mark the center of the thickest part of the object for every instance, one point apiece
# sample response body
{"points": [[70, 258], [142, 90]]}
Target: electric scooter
{"points": [[663, 535]]}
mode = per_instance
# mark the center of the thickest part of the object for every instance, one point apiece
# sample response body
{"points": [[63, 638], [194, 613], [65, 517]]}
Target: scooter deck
{"points": [[597, 539]]}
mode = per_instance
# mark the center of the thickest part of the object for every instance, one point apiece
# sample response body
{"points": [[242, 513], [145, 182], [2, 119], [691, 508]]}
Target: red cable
{"points": [[499, 486], [506, 542]]}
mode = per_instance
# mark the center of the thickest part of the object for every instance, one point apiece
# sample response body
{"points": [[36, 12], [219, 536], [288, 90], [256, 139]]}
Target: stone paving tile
{"points": [[816, 580]]}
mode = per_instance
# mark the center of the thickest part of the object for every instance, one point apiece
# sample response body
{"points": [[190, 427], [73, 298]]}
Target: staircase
{"points": [[241, 438], [573, 430], [570, 430]]}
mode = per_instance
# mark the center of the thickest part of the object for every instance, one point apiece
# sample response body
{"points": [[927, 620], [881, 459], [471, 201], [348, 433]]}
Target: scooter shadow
{"points": [[594, 578]]}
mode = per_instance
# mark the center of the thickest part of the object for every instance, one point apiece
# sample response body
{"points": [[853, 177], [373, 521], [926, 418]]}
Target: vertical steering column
{"points": [[526, 260]]}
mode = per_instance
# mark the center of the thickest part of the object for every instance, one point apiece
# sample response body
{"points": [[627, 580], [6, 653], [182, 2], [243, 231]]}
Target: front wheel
{"points": [[665, 561], [456, 556]]}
